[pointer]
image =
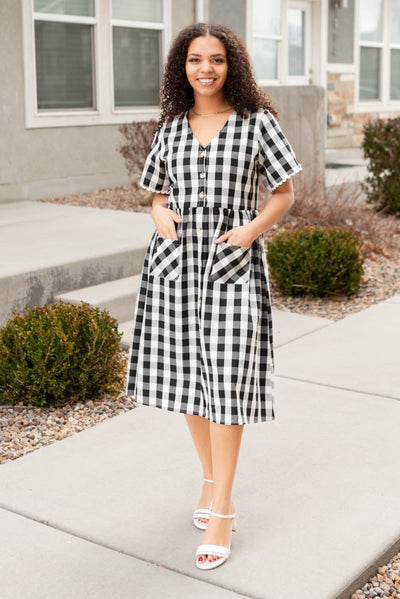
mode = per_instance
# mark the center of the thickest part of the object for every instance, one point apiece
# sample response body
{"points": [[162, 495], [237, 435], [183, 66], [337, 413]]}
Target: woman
{"points": [[202, 335]]}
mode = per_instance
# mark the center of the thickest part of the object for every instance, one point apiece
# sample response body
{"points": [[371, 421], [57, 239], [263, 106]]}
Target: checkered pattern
{"points": [[202, 334]]}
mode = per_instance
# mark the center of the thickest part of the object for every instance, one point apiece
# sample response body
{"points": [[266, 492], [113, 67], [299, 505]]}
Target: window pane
{"points": [[395, 21], [371, 20], [395, 75], [64, 65], [266, 59], [296, 41], [370, 59], [140, 10], [136, 66], [267, 17], [77, 8]]}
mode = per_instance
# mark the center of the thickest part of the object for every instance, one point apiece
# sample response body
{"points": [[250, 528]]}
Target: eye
{"points": [[193, 59]]}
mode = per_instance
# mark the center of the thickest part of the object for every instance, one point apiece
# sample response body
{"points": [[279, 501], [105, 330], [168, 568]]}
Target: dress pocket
{"points": [[166, 261], [231, 264]]}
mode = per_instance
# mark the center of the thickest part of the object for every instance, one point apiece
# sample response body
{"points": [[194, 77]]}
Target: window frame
{"points": [[283, 44], [384, 102], [104, 113]]}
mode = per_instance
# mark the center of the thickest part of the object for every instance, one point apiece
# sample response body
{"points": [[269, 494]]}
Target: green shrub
{"points": [[319, 261], [59, 351], [381, 145]]}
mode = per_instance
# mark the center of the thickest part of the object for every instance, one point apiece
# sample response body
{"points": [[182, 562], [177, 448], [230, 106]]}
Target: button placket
{"points": [[202, 175]]}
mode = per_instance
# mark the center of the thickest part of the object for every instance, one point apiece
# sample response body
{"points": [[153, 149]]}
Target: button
{"points": [[200, 299], [200, 264], [202, 194], [199, 230], [203, 154], [199, 330], [202, 175]]}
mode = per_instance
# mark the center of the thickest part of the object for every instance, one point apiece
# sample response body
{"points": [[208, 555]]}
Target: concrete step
{"points": [[118, 296], [57, 249]]}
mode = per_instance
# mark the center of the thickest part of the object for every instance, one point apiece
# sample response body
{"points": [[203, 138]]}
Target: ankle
{"points": [[222, 506]]}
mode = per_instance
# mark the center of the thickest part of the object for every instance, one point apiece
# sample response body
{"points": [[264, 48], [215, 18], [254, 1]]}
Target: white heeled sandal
{"points": [[219, 550], [202, 513]]}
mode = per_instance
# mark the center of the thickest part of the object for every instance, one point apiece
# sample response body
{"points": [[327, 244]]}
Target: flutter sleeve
{"points": [[154, 175], [277, 161]]}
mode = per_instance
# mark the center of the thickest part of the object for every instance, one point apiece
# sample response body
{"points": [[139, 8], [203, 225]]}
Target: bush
{"points": [[59, 351], [381, 145], [138, 137], [319, 261]]}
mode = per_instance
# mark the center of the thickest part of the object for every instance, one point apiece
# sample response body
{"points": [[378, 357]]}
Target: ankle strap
{"points": [[222, 515], [208, 480]]}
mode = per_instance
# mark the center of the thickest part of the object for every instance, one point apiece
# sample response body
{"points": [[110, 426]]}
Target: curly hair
{"points": [[240, 88]]}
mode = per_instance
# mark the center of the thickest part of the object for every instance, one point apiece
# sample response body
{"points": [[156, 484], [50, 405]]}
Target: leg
{"points": [[200, 430], [225, 446]]}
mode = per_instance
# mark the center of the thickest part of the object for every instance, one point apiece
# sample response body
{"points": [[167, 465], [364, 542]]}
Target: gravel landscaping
{"points": [[24, 429]]}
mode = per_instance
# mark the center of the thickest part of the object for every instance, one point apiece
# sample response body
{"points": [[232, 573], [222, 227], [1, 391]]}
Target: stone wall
{"points": [[344, 126]]}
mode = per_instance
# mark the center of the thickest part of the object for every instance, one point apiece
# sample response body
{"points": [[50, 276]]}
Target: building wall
{"points": [[56, 161], [230, 12], [302, 119], [344, 125], [50, 162]]}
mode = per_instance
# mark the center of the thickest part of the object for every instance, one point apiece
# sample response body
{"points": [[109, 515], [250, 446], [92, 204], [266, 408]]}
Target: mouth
{"points": [[206, 80]]}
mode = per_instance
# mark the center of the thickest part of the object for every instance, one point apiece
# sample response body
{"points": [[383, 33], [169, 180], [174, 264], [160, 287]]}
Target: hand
{"points": [[242, 235], [164, 219]]}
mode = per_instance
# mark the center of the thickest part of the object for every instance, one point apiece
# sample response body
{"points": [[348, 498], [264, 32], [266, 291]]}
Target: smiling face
{"points": [[206, 65]]}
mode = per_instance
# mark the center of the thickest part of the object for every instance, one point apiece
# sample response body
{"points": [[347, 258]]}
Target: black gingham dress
{"points": [[202, 333]]}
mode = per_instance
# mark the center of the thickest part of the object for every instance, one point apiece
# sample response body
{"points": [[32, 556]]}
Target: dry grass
{"points": [[342, 206]]}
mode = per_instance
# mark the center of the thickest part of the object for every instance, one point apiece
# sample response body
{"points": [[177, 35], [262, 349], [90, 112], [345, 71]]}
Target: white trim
{"points": [[137, 24], [335, 67], [103, 95], [43, 16], [373, 106]]}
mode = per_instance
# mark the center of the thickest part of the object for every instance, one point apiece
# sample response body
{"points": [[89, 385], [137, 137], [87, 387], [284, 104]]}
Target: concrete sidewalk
{"points": [[108, 511]]}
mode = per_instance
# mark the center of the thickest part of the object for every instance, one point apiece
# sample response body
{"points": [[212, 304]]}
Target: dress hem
{"points": [[258, 421]]}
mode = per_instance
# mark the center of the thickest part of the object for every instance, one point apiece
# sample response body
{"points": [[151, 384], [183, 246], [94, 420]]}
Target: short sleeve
{"points": [[154, 175], [277, 161]]}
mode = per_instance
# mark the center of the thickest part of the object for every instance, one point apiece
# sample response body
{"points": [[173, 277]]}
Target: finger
{"points": [[175, 216], [223, 237]]}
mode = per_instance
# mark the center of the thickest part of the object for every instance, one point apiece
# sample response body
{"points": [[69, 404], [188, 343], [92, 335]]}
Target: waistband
{"points": [[206, 209]]}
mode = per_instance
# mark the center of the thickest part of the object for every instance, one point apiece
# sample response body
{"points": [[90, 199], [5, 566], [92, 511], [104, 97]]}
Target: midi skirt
{"points": [[202, 340]]}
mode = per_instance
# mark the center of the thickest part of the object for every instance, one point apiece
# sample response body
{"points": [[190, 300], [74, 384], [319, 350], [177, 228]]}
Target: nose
{"points": [[206, 67]]}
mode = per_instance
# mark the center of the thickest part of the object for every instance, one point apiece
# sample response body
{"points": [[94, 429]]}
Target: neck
{"points": [[209, 105]]}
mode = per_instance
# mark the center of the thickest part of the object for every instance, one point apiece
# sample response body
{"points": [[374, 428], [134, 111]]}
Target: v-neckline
{"points": [[214, 137]]}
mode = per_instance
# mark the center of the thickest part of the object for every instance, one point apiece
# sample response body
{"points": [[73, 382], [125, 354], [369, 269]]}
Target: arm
{"points": [[278, 204]]}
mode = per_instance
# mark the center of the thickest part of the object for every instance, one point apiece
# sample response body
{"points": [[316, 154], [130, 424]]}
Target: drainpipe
{"points": [[200, 11]]}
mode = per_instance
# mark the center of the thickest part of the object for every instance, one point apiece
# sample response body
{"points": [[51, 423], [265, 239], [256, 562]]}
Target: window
{"points": [[137, 28], [371, 45], [64, 54], [93, 61], [395, 50], [267, 38], [280, 41], [379, 54]]}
